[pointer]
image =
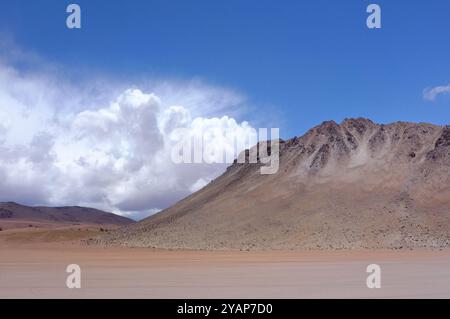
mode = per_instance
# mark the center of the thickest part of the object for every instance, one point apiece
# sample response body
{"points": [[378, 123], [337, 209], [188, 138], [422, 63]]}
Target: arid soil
{"points": [[39, 271], [33, 264], [34, 234], [354, 185]]}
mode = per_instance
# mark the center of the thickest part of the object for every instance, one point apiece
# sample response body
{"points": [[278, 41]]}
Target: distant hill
{"points": [[353, 185], [11, 211]]}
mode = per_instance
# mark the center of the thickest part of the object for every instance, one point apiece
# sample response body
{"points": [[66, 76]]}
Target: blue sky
{"points": [[298, 62], [79, 124]]}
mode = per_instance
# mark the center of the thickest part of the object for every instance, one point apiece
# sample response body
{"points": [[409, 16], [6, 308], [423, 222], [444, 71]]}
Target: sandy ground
{"points": [[35, 234], [39, 272]]}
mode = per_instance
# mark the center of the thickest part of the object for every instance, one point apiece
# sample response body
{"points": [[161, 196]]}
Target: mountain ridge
{"points": [[353, 185], [66, 214]]}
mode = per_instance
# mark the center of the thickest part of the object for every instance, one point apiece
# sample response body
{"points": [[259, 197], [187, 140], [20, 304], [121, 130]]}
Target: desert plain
{"points": [[33, 265]]}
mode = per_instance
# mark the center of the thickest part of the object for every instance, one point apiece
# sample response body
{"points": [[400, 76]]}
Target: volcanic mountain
{"points": [[13, 212], [354, 185]]}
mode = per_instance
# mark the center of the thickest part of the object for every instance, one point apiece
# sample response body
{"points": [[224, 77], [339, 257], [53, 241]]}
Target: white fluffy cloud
{"points": [[431, 94], [61, 144]]}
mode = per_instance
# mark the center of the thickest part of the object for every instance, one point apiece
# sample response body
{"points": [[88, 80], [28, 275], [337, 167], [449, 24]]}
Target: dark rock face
{"points": [[444, 139], [378, 139], [359, 125], [321, 158], [441, 151]]}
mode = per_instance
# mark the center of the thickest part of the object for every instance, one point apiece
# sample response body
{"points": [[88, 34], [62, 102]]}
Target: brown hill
{"points": [[354, 185], [11, 211]]}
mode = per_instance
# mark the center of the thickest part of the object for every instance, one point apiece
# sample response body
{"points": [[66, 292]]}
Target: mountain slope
{"points": [[12, 211], [353, 185]]}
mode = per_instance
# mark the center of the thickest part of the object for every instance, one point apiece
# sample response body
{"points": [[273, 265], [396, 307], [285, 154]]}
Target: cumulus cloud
{"points": [[431, 94], [60, 144]]}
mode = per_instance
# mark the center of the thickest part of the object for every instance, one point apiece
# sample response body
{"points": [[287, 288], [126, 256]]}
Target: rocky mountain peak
{"points": [[334, 184]]}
